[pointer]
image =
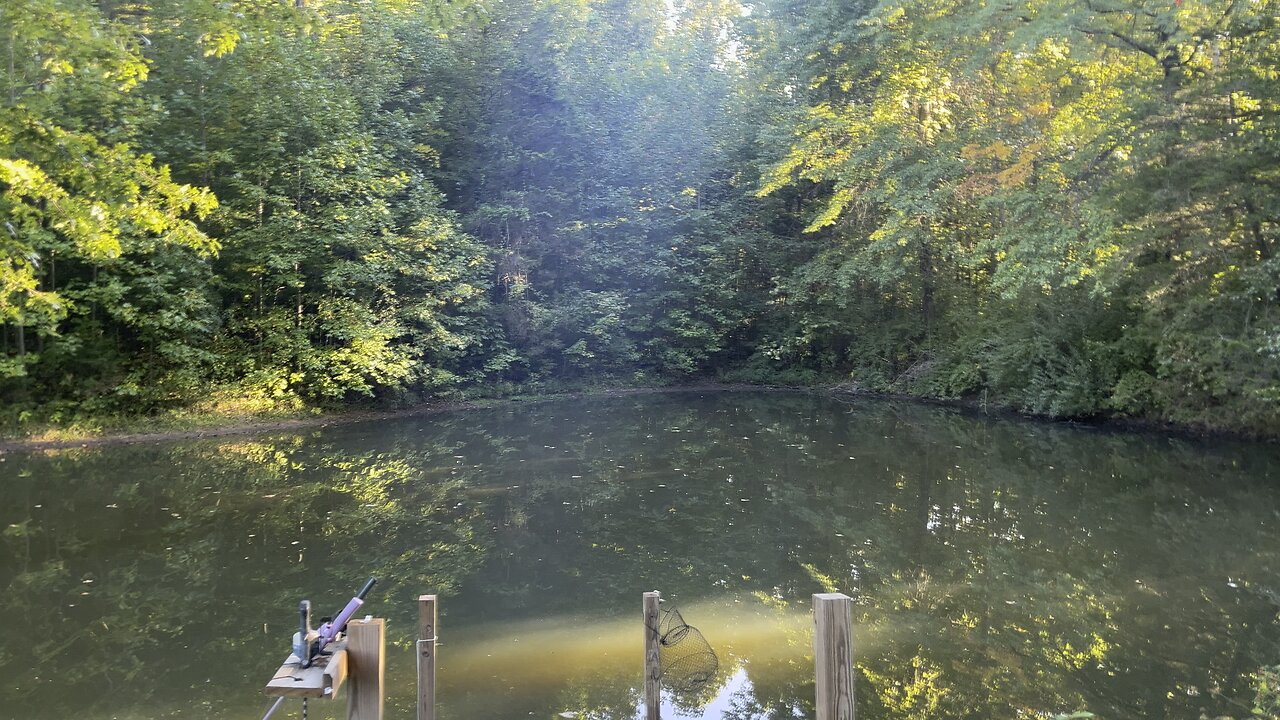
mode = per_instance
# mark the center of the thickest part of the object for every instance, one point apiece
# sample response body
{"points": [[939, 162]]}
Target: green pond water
{"points": [[999, 568]]}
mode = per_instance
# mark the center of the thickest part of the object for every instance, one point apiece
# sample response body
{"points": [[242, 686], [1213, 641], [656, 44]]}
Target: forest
{"points": [[1064, 207]]}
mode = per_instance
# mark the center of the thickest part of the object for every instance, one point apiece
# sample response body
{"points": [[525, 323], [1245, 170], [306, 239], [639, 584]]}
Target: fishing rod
{"points": [[309, 644]]}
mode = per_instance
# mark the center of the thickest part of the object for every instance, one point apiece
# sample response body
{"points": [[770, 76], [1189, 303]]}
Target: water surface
{"points": [[1000, 569]]}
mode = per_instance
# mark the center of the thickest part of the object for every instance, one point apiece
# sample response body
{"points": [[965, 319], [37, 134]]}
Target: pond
{"points": [[999, 568]]}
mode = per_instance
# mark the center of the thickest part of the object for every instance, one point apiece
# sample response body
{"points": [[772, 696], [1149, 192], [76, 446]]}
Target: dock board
{"points": [[292, 681]]}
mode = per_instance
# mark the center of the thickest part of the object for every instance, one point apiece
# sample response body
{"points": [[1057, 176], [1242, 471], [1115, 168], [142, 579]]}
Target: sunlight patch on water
{"points": [[559, 647]]}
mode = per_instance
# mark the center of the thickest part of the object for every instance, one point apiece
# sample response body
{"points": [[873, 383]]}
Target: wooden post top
{"points": [[652, 658], [833, 656], [428, 621], [428, 617], [367, 645]]}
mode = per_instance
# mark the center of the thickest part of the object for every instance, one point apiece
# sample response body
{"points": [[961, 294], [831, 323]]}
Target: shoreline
{"points": [[236, 426], [1106, 423], [324, 418], [248, 425]]}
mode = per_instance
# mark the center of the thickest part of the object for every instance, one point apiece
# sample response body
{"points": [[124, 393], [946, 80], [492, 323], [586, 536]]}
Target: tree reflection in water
{"points": [[999, 568]]}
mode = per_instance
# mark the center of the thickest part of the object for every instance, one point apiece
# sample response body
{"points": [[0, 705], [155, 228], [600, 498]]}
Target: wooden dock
{"points": [[359, 663]]}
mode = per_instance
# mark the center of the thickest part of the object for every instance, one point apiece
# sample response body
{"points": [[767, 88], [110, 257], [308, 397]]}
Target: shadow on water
{"points": [[999, 569]]}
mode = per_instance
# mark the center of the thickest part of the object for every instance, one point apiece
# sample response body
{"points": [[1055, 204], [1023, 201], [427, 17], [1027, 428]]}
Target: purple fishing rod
{"points": [[329, 631], [308, 643]]}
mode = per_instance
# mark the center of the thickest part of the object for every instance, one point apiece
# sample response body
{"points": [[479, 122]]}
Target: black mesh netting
{"points": [[687, 661]]}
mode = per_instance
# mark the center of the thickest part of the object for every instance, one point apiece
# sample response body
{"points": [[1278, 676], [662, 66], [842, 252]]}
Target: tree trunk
{"points": [[926, 285], [1255, 230]]}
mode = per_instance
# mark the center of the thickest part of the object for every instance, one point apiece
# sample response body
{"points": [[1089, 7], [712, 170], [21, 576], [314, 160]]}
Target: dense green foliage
{"points": [[1066, 207], [1069, 205]]}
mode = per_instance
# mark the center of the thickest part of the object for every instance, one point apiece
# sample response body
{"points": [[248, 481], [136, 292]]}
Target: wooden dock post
{"points": [[427, 619], [367, 654], [652, 659], [833, 655]]}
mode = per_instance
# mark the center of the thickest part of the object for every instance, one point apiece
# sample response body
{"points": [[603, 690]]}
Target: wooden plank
{"points": [[652, 659], [367, 651], [318, 681], [335, 672], [427, 619], [833, 655]]}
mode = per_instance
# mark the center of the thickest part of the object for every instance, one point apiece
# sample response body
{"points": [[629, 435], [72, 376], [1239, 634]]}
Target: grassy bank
{"points": [[222, 416]]}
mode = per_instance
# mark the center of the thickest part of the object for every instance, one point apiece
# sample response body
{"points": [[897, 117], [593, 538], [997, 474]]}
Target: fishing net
{"points": [[686, 659]]}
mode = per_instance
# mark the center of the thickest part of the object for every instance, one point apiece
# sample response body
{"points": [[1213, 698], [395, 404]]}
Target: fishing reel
{"points": [[306, 642], [309, 645]]}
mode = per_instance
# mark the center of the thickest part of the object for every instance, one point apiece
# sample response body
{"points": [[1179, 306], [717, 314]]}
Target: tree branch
{"points": [[1124, 41]]}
